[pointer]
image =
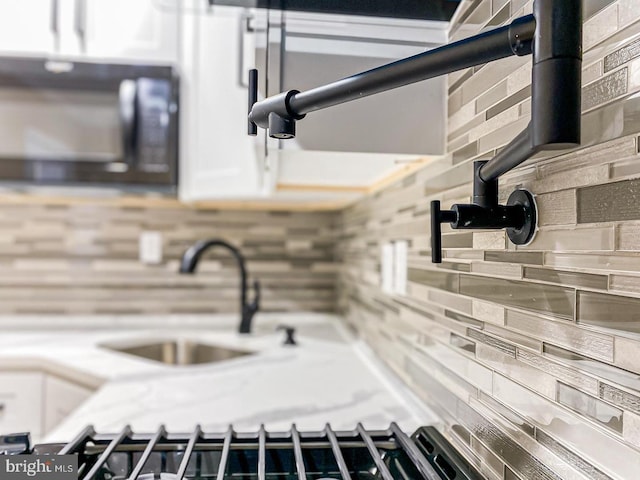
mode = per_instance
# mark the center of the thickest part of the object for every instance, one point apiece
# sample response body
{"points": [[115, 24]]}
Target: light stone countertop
{"points": [[330, 377]]}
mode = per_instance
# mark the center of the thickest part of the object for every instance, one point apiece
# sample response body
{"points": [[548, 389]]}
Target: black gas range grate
{"points": [[358, 454]]}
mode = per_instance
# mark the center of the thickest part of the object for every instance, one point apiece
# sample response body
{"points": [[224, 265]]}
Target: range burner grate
{"points": [[358, 454]]}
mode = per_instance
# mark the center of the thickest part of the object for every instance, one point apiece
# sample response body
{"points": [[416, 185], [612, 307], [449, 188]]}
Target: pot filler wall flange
{"points": [[552, 35]]}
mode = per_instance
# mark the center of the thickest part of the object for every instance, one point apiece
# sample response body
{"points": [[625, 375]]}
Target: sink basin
{"points": [[178, 352]]}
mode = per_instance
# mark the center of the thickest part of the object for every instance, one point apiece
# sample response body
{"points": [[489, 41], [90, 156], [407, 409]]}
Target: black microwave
{"points": [[64, 122]]}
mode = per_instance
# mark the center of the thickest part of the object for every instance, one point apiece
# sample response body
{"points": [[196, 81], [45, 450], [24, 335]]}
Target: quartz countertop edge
{"points": [[332, 377]]}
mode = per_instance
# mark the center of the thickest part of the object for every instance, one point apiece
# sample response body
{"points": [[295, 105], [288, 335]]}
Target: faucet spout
{"points": [[190, 260]]}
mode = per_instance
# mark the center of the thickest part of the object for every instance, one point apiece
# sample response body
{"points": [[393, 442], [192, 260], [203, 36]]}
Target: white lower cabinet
{"points": [[21, 402], [36, 402], [60, 399]]}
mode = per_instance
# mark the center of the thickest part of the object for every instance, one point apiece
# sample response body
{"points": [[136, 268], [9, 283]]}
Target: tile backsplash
{"points": [[84, 259], [532, 353]]}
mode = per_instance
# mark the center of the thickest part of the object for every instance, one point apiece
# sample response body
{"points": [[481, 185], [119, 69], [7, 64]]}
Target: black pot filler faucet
{"points": [[552, 35]]}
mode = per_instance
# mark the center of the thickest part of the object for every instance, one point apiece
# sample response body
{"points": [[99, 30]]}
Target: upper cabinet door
{"points": [[28, 26], [218, 158], [138, 30]]}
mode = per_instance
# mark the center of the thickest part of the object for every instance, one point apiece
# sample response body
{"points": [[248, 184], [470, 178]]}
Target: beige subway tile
{"points": [[581, 437], [567, 375], [514, 337], [497, 269], [600, 26], [489, 459], [624, 283], [519, 78], [512, 101], [546, 299], [463, 254], [450, 300], [611, 312], [502, 135], [609, 202], [619, 397], [604, 414], [634, 75], [525, 108], [631, 428], [588, 239], [575, 177], [464, 115], [426, 374], [557, 208], [606, 262], [627, 12], [504, 119], [541, 382], [466, 368], [563, 334], [628, 237], [40, 264], [488, 312], [627, 352], [592, 72], [493, 240], [605, 89], [519, 449], [576, 279], [491, 97]]}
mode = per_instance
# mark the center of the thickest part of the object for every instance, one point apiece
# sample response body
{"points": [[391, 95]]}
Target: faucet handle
{"points": [[289, 332], [437, 217], [252, 128]]}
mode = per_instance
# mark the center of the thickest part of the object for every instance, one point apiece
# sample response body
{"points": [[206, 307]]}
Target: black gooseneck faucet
{"points": [[188, 264], [552, 34]]}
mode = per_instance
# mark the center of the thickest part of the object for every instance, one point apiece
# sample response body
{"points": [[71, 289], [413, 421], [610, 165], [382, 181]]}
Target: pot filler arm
{"points": [[552, 35]]}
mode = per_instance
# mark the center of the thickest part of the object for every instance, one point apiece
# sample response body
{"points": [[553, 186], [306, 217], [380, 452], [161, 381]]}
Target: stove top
{"points": [[358, 454]]}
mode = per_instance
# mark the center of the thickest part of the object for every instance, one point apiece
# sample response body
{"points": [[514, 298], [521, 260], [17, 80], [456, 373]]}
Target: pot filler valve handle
{"points": [[252, 128], [437, 217]]}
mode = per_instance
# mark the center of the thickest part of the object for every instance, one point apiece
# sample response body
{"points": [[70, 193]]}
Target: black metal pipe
{"points": [[513, 39], [192, 256], [516, 152], [252, 128], [555, 87], [483, 48], [556, 77]]}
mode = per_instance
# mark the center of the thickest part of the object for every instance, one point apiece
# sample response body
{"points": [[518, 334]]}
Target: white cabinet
{"points": [[114, 30], [60, 399], [27, 26], [348, 147], [35, 402], [21, 402], [124, 29], [218, 158]]}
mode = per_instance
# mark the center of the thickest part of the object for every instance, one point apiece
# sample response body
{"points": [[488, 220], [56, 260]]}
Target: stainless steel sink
{"points": [[178, 352]]}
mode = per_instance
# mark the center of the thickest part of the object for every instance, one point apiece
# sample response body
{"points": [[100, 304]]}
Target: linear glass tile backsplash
{"points": [[543, 378], [83, 259]]}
